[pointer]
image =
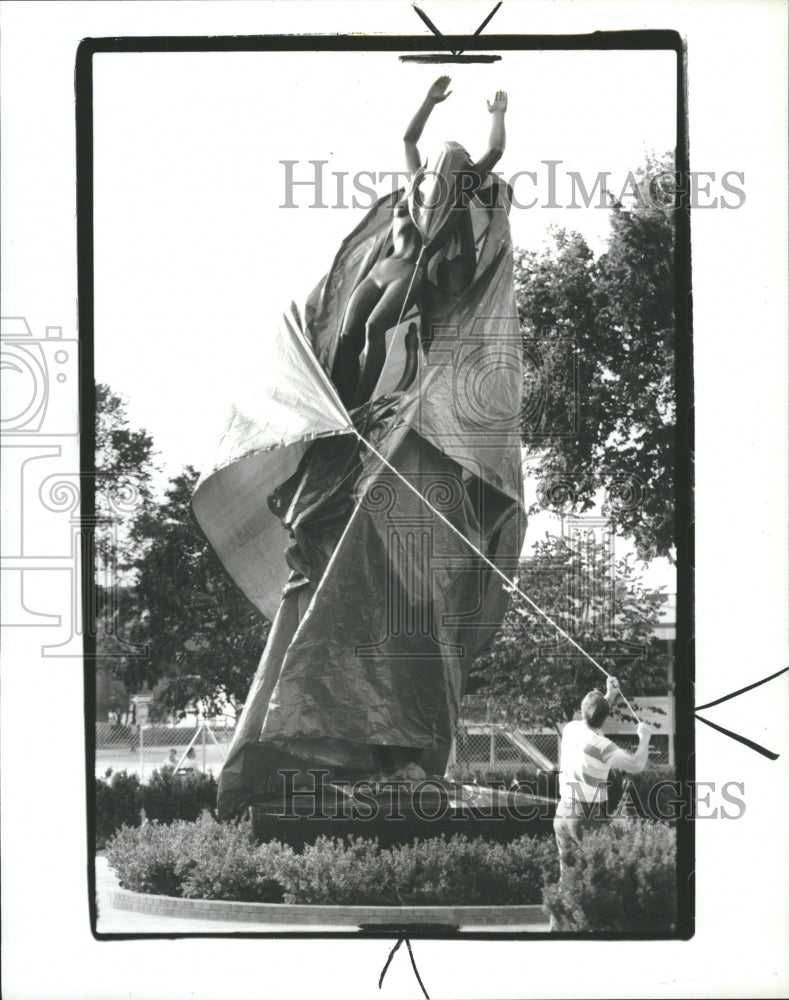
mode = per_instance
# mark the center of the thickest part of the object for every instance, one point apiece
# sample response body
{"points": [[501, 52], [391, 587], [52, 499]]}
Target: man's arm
{"points": [[437, 93], [633, 763], [498, 136]]}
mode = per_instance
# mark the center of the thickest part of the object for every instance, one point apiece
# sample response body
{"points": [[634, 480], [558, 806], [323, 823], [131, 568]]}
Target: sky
{"points": [[195, 255]]}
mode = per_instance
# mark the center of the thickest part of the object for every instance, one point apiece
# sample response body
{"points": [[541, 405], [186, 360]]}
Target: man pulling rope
{"points": [[585, 761]]}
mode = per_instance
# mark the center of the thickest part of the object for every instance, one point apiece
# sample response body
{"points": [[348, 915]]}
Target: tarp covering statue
{"points": [[403, 367]]}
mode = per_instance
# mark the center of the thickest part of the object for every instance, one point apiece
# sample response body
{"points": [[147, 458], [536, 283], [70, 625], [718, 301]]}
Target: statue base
{"points": [[398, 811]]}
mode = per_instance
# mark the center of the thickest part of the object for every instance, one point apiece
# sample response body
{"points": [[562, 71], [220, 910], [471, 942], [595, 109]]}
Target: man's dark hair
{"points": [[595, 709]]}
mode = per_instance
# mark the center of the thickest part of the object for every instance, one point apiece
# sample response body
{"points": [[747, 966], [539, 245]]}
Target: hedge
{"points": [[622, 879], [120, 798], [223, 861]]}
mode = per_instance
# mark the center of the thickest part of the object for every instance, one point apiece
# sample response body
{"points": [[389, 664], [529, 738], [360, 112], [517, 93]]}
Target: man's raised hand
{"points": [[438, 92], [499, 102]]}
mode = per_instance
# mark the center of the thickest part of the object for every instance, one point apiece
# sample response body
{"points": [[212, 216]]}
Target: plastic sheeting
{"points": [[378, 607]]}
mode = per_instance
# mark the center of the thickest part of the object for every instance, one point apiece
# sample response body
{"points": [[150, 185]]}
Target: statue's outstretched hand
{"points": [[499, 102], [438, 92]]}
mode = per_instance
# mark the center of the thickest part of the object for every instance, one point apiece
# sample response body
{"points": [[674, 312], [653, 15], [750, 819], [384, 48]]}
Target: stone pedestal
{"points": [[399, 811]]}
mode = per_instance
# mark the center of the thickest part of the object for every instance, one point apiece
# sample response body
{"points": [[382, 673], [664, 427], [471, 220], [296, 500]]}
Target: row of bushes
{"points": [[623, 878], [121, 798], [210, 860]]}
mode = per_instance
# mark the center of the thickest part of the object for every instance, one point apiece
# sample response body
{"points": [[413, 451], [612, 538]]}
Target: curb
{"points": [[301, 914]]}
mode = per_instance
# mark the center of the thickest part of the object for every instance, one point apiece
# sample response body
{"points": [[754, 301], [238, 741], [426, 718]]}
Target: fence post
{"points": [[204, 747], [671, 728], [492, 757], [141, 703]]}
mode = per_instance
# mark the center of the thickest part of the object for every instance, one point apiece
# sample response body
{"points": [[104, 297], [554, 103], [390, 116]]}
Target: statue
{"points": [[395, 282], [353, 511]]}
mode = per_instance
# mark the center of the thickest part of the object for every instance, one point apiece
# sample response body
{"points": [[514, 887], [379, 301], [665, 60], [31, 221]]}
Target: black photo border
{"points": [[684, 672]]}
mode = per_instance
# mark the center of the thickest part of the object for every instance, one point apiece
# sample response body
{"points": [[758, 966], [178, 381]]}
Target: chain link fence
{"points": [[479, 749], [144, 749], [485, 745], [491, 749]]}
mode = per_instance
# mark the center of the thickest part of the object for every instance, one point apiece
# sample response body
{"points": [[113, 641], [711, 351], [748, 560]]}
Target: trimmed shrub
{"points": [[166, 797], [534, 863], [329, 872], [436, 872], [169, 796], [623, 879], [212, 860], [225, 862], [147, 859], [118, 802], [471, 872], [205, 860]]}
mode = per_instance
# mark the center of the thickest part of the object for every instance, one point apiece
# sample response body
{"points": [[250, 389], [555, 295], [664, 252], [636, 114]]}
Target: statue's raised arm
{"points": [[498, 136], [436, 94]]}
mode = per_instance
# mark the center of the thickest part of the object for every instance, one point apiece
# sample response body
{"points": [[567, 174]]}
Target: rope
{"points": [[411, 285], [511, 585]]}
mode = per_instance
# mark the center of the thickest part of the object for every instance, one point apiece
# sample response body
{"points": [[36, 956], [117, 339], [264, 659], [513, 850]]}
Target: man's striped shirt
{"points": [[585, 761]]}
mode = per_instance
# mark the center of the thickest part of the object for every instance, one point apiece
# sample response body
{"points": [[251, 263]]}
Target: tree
{"points": [[123, 478], [205, 637], [534, 677], [599, 351]]}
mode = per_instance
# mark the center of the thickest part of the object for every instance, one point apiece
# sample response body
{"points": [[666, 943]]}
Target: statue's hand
{"points": [[438, 92], [499, 102]]}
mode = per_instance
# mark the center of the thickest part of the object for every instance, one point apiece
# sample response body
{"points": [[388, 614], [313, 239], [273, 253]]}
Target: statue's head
{"points": [[441, 176], [447, 157], [436, 187]]}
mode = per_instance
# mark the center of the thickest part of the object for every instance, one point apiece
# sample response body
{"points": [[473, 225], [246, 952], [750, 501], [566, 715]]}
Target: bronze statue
{"points": [[380, 605], [395, 283]]}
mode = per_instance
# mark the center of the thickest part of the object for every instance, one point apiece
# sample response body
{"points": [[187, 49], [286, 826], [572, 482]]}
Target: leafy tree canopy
{"points": [[599, 350], [123, 479], [531, 675], [205, 637]]}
